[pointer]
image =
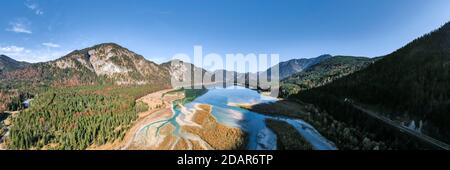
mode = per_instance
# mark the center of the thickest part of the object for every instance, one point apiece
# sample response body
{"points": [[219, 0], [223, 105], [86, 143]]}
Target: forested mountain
{"points": [[95, 65], [293, 66], [411, 83], [323, 72], [98, 107], [8, 64], [76, 118], [102, 64]]}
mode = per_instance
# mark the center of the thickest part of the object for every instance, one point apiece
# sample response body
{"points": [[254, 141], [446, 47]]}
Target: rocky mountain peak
{"points": [[113, 61]]}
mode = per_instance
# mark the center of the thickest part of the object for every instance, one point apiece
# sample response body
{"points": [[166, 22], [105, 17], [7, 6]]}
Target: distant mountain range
{"points": [[113, 63]]}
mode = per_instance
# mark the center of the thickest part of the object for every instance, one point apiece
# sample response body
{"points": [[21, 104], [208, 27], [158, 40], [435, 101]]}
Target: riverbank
{"points": [[226, 110], [198, 130], [290, 121], [159, 107], [163, 127], [280, 107], [343, 136], [220, 137], [288, 137]]}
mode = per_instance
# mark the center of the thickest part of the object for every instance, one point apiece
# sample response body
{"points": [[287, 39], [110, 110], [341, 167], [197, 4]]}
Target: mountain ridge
{"points": [[323, 73], [113, 63], [8, 64], [411, 83], [290, 67], [107, 62]]}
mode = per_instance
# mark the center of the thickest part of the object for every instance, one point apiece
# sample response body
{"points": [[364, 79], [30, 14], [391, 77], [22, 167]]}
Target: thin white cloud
{"points": [[51, 45], [33, 56], [15, 52], [39, 12], [20, 26], [34, 6], [30, 6], [11, 49]]}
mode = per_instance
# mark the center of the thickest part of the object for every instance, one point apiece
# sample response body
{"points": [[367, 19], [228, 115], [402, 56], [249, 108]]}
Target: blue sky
{"points": [[42, 30]]}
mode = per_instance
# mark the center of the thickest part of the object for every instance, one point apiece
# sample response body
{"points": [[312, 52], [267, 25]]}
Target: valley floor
{"points": [[159, 107], [197, 130]]}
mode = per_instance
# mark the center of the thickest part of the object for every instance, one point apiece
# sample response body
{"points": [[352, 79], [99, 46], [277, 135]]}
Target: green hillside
{"points": [[323, 73], [412, 83]]}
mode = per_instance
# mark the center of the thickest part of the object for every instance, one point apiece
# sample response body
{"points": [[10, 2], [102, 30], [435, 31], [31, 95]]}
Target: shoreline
{"points": [[158, 106], [199, 129], [292, 115], [219, 136], [278, 108], [288, 138]]}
